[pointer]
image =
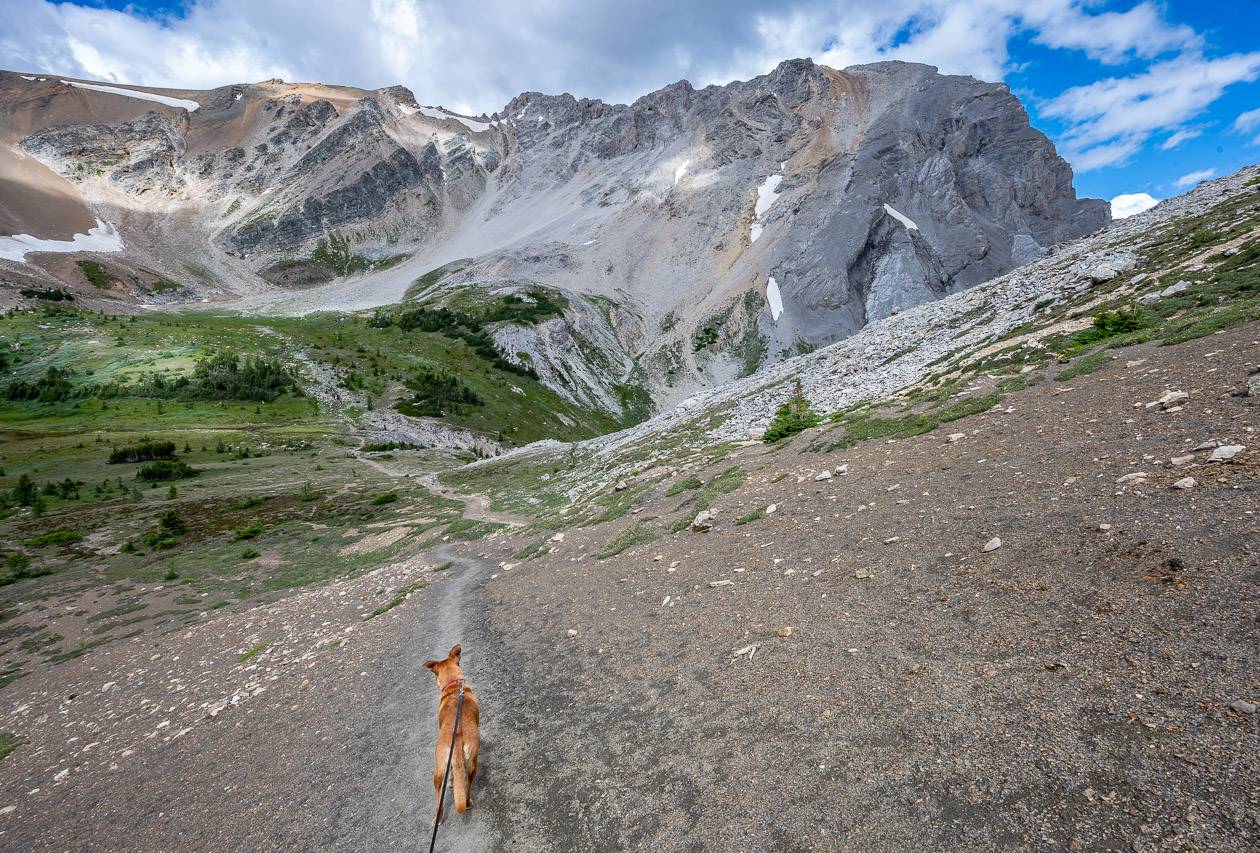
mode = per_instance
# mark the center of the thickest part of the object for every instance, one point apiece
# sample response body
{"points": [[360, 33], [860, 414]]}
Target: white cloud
{"points": [[1128, 204], [1180, 138], [1248, 121], [1194, 178], [1109, 120], [475, 57], [480, 55]]}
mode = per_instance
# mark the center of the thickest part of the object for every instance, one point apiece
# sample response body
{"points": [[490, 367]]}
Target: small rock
{"points": [[785, 631], [993, 544], [621, 486], [863, 574], [956, 436], [1182, 460], [703, 521], [1101, 273], [1184, 483], [825, 475], [772, 509], [1242, 706], [572, 632], [1131, 479], [841, 470], [1104, 527], [1172, 398], [1174, 289], [559, 537], [891, 539], [746, 650], [108, 686], [723, 582], [1226, 452], [1207, 445]]}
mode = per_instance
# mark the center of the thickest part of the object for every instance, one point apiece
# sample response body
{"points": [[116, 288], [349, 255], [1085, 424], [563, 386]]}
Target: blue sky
{"points": [[1141, 97]]}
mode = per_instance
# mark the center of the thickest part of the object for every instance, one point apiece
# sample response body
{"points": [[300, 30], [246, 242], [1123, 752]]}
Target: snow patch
{"points": [[767, 195], [103, 238], [237, 96], [680, 171], [774, 298], [472, 124], [24, 77], [182, 103], [900, 217], [406, 110]]}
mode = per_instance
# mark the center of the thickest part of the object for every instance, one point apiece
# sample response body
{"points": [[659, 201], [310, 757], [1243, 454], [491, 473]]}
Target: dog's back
{"points": [[450, 679]]}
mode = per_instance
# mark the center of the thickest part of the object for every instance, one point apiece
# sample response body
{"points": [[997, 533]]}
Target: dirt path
{"points": [[392, 426], [476, 507]]}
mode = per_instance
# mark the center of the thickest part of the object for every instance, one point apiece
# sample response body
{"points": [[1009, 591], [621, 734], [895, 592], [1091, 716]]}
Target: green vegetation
{"points": [[1085, 364], [52, 387], [399, 597], [436, 394], [635, 534], [17, 566], [9, 742], [226, 376], [145, 451], [759, 512], [792, 417], [254, 651], [47, 294], [97, 275], [57, 537], [692, 482], [384, 498], [162, 470], [531, 550], [249, 531], [335, 253]]}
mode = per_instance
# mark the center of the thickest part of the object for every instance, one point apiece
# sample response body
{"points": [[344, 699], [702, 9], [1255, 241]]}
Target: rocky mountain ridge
{"points": [[727, 228]]}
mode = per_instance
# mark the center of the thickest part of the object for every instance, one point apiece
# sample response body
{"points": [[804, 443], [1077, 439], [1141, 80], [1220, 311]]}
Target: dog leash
{"points": [[459, 703]]}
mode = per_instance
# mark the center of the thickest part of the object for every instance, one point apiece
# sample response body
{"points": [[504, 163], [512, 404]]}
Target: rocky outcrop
{"points": [[815, 200]]}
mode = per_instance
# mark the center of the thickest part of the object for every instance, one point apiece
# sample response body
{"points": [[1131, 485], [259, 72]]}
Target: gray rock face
{"points": [[737, 224]]}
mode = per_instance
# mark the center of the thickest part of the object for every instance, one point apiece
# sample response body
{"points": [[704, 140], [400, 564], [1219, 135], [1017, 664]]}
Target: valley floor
{"points": [[1089, 684]]}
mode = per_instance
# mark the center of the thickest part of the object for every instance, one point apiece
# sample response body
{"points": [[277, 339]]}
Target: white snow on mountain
{"points": [[103, 238], [900, 217], [182, 103]]}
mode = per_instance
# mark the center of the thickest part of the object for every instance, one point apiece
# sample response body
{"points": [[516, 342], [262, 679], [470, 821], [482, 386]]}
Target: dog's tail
{"points": [[459, 774]]}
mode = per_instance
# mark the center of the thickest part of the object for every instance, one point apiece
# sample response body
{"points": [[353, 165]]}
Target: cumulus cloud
{"points": [[1194, 177], [1109, 120], [1247, 122], [475, 57], [1130, 204], [1181, 137], [480, 55]]}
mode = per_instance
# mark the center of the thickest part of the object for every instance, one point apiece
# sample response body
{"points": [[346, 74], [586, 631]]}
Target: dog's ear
{"points": [[455, 652], [430, 664]]}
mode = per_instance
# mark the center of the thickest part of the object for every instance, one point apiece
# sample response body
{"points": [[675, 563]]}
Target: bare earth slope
{"points": [[1087, 685]]}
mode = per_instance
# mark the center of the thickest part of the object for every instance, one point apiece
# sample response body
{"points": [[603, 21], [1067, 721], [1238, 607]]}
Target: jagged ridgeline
{"points": [[689, 238]]}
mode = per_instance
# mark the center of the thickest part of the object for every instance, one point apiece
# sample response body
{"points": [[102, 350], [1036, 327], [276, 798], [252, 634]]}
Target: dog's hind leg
{"points": [[437, 795], [459, 778]]}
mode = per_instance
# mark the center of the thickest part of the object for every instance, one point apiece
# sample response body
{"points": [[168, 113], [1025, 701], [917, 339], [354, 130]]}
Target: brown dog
{"points": [[464, 760]]}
